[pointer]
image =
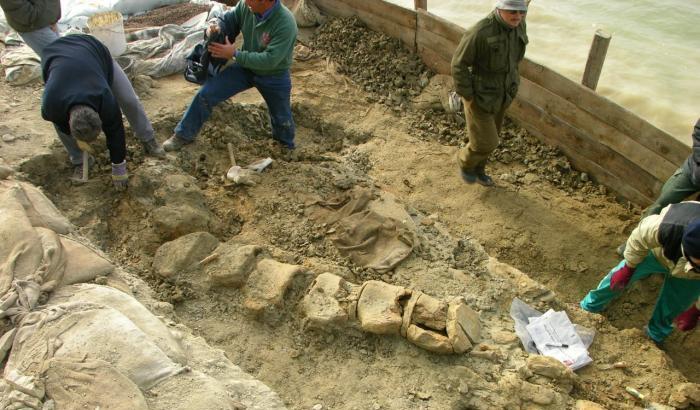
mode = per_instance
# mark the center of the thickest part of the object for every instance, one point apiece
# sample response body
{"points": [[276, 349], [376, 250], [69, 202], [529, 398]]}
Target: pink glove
{"points": [[621, 278], [687, 320]]}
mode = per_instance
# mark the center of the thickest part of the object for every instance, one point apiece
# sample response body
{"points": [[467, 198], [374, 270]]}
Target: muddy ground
{"points": [[354, 129]]}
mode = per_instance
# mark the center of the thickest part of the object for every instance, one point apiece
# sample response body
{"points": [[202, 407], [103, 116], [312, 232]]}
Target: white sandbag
{"points": [[50, 273], [20, 391], [21, 252], [77, 330], [42, 212], [22, 65], [241, 386], [307, 14], [190, 391], [39, 209], [156, 331], [172, 62], [91, 384], [83, 264]]}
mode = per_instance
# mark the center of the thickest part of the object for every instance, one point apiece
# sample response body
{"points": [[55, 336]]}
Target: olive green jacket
{"points": [[30, 15], [485, 64]]}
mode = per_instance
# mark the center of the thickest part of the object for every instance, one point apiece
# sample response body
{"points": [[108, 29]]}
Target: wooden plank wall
{"points": [[616, 147]]}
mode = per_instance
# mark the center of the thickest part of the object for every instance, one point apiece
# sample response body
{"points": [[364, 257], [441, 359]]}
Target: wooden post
{"points": [[596, 58], [420, 4]]}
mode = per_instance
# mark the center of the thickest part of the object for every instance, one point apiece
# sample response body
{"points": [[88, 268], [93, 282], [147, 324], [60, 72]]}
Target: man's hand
{"points": [[687, 320], [225, 51], [54, 28], [621, 278], [120, 178]]}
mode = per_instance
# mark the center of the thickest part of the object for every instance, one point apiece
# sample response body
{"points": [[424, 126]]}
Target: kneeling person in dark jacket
{"points": [[78, 100]]}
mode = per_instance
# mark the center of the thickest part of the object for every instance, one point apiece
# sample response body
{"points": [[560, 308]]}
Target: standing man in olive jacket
{"points": [[34, 20], [485, 72]]}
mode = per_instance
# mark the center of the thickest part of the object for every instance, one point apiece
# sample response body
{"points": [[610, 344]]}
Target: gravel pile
{"points": [[389, 72]]}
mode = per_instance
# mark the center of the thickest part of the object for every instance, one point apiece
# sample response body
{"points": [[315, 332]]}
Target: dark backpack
{"points": [[199, 60]]}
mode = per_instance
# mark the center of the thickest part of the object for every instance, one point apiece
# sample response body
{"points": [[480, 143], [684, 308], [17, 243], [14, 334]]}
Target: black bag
{"points": [[199, 60]]}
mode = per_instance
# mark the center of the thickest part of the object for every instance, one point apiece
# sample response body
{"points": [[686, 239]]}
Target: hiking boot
{"points": [[471, 177], [484, 179], [175, 143], [77, 174], [659, 345], [153, 148]]}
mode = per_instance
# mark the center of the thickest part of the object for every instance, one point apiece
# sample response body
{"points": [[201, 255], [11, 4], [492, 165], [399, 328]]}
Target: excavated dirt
{"points": [[174, 14], [357, 128]]}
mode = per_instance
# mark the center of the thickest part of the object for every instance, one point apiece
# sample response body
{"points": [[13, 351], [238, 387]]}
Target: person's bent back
{"points": [[78, 71]]}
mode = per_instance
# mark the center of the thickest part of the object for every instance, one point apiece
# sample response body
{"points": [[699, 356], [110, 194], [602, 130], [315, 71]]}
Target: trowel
{"points": [[237, 174], [87, 150]]}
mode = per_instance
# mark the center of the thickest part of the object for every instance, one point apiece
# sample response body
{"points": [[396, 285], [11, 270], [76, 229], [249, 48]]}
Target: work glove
{"points": [[621, 278], [120, 178], [687, 320]]}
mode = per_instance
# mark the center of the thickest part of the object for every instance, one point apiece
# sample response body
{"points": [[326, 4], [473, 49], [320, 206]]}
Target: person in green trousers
{"points": [[667, 244], [682, 184]]}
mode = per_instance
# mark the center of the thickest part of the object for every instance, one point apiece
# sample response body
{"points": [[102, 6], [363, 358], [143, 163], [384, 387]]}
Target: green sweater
{"points": [[267, 44]]}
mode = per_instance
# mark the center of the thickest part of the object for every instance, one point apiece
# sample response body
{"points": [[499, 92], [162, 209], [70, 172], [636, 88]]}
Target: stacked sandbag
{"points": [[166, 339], [31, 255], [306, 14]]}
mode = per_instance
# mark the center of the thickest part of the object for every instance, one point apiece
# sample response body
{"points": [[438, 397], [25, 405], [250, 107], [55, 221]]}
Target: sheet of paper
{"points": [[553, 329]]}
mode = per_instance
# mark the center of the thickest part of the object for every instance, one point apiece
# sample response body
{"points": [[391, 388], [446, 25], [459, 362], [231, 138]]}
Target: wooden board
{"points": [[601, 132], [378, 15], [434, 61], [607, 111], [439, 26], [335, 8], [440, 45], [618, 173]]}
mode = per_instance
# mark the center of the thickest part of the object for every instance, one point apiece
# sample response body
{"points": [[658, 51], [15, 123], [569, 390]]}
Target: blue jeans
{"points": [[675, 297], [275, 90]]}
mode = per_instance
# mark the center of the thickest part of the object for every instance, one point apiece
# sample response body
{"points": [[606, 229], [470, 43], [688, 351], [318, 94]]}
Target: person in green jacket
{"points": [[666, 244], [485, 72], [269, 33], [679, 186]]}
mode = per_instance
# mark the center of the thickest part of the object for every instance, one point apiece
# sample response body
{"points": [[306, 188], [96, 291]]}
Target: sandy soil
{"points": [[562, 237]]}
